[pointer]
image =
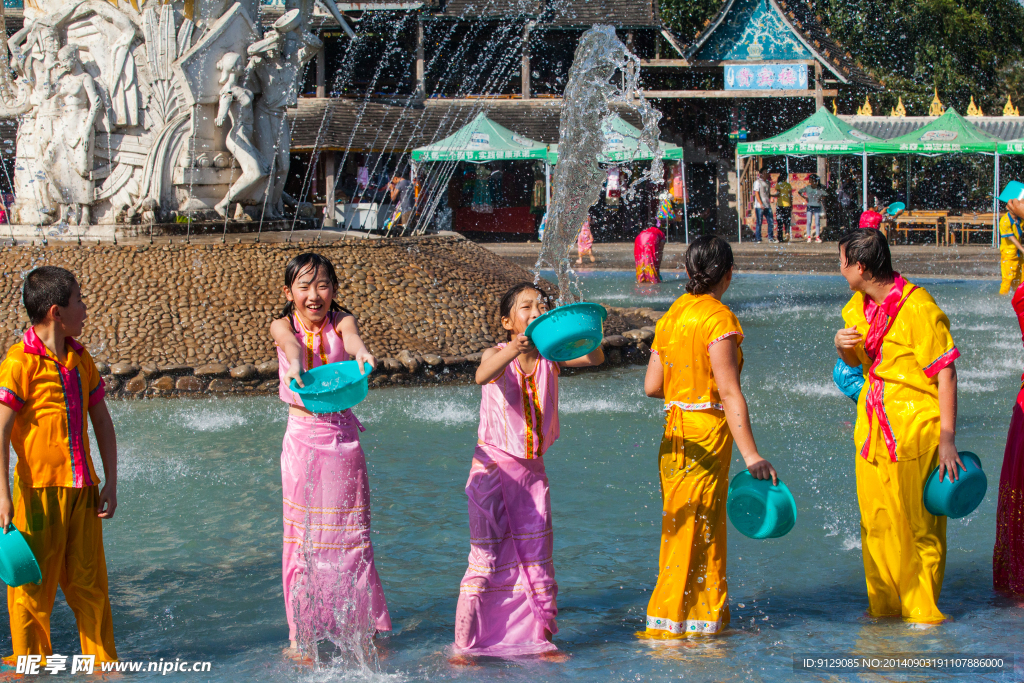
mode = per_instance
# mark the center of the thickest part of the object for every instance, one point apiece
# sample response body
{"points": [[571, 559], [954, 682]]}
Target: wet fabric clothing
{"points": [[60, 525], [585, 240], [903, 545], [691, 596], [907, 342], [1008, 556], [320, 347], [870, 219], [328, 564], [508, 596], [519, 411], [1009, 255], [683, 338], [51, 400], [647, 250]]}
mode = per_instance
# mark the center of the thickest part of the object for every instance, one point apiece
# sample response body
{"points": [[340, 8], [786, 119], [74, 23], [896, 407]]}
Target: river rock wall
{"points": [[167, 319]]}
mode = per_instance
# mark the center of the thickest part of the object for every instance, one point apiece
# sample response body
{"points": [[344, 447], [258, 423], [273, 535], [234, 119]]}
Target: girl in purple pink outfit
{"points": [[507, 603], [331, 587]]}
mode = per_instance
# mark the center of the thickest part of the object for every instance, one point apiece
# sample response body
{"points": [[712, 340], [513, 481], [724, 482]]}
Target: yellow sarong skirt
{"points": [[63, 531], [691, 595], [1009, 265], [904, 546]]}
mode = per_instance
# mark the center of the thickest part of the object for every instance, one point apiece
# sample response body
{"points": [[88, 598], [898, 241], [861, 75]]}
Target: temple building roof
{"points": [[775, 30]]}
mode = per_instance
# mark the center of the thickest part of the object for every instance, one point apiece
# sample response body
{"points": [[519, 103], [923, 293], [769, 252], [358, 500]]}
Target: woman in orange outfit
{"points": [[695, 367]]}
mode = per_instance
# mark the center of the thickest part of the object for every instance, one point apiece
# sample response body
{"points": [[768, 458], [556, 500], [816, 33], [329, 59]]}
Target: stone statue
{"points": [[236, 102], [69, 154], [276, 76]]}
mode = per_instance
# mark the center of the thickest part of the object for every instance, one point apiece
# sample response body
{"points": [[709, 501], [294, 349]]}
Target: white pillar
{"points": [[547, 186], [686, 216], [864, 180], [329, 208], [995, 203]]}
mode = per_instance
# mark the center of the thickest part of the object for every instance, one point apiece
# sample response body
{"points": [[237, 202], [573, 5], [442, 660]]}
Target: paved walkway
{"points": [[800, 257]]}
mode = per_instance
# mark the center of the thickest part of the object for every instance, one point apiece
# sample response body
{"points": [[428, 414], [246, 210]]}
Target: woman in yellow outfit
{"points": [[695, 366], [1010, 235], [906, 426]]}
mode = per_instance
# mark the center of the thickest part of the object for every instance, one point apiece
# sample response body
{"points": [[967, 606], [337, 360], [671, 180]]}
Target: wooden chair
{"points": [[968, 223], [916, 221]]}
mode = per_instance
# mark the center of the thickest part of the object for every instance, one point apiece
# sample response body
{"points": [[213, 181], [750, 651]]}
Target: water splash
{"points": [[603, 73]]}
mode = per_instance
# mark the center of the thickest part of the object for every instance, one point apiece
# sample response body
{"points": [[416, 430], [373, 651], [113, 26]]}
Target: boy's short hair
{"points": [[869, 248], [44, 287]]}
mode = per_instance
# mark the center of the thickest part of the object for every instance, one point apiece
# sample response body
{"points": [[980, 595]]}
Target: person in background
{"points": [[814, 194], [763, 206], [647, 251], [872, 218], [1011, 234], [906, 427], [585, 243], [784, 209], [401, 192]]}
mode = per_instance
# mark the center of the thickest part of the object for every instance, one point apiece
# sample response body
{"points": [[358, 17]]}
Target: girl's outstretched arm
{"points": [[595, 357], [726, 371], [495, 360], [348, 328], [284, 336]]}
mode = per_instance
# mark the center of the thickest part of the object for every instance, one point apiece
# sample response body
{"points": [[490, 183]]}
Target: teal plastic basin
{"points": [[955, 499], [758, 509], [568, 332], [18, 565], [895, 208], [333, 388]]}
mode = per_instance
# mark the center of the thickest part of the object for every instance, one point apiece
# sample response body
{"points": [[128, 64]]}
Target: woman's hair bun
{"points": [[708, 259]]}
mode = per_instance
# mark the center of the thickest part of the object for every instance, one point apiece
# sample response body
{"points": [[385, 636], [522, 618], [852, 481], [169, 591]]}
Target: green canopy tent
{"points": [[623, 145], [481, 141], [948, 134], [821, 134]]}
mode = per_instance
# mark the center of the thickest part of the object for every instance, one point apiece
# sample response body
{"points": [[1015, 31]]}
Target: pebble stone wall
{"points": [[174, 318]]}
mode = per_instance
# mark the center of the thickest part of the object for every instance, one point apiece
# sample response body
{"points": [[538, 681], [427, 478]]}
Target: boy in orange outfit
{"points": [[49, 385], [906, 426]]}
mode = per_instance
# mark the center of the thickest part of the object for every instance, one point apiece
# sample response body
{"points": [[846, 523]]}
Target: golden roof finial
{"points": [[937, 109], [1009, 109], [973, 109], [866, 109], [834, 108], [900, 111]]}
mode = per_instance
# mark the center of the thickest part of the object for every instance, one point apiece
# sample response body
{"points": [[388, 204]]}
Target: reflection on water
{"points": [[195, 550]]}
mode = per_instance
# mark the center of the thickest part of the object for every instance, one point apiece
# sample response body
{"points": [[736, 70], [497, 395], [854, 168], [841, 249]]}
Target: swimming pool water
{"points": [[194, 552]]}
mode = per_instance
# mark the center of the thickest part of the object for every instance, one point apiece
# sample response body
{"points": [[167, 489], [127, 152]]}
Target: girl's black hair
{"points": [[299, 265], [708, 259], [508, 300], [869, 248]]}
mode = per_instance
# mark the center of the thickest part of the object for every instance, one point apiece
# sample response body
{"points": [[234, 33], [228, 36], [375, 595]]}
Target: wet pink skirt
{"points": [[507, 599], [1008, 557], [331, 586]]}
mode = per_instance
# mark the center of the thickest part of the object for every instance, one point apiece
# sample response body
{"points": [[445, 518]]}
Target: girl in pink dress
{"points": [[331, 587], [585, 243], [647, 249], [507, 601], [1008, 558]]}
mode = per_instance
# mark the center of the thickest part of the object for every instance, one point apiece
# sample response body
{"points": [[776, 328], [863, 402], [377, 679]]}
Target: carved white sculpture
{"points": [[130, 120], [276, 75], [236, 102]]}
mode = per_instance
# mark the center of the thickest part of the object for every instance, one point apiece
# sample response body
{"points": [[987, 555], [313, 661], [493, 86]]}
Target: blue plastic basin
{"points": [[955, 499], [895, 208], [850, 380], [758, 509], [568, 332], [18, 565], [333, 388]]}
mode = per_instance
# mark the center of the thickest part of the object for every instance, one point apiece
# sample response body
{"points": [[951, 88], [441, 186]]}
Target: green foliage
{"points": [[963, 48]]}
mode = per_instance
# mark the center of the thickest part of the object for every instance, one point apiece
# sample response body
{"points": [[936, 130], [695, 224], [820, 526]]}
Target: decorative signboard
{"points": [[752, 30], [766, 77]]}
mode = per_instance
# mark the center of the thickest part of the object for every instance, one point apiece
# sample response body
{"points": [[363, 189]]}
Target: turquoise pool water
{"points": [[195, 549]]}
